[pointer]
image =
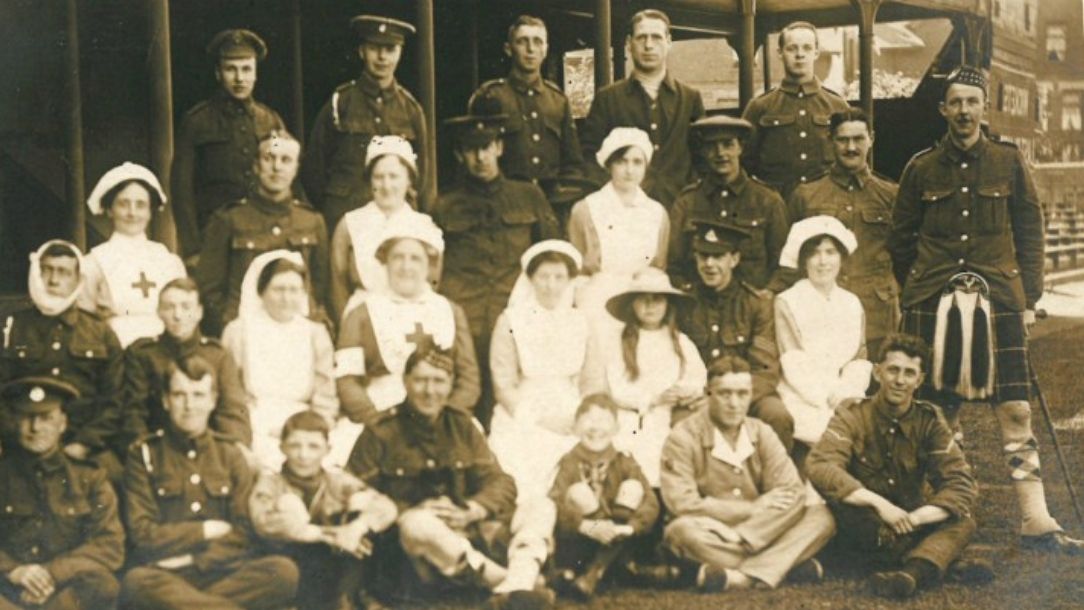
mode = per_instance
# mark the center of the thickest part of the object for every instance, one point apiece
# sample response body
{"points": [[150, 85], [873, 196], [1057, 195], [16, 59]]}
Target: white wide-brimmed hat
{"points": [[809, 228], [621, 137]]}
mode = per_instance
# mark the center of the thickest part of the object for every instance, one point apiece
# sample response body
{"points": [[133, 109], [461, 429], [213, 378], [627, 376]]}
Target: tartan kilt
{"points": [[1012, 377]]}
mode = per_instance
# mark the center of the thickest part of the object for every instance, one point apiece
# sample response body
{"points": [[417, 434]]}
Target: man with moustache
{"points": [[540, 142], [730, 317], [62, 538], [967, 247], [791, 145], [874, 464], [218, 138], [186, 493], [269, 218], [147, 362], [374, 104], [652, 100], [727, 194], [862, 200]]}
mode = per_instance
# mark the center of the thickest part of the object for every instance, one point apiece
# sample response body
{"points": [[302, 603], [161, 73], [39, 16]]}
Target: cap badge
{"points": [[383, 28], [37, 394], [711, 237], [480, 126]]}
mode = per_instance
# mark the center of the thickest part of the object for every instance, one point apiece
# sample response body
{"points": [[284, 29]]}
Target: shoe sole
{"points": [[893, 586]]}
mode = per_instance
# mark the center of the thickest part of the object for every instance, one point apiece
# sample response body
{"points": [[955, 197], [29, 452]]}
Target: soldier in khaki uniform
{"points": [[62, 538], [874, 464], [269, 218], [455, 502], [791, 144], [186, 494], [57, 339], [540, 141], [374, 104], [862, 200], [727, 194], [217, 139], [967, 248], [147, 362], [732, 318], [489, 221]]}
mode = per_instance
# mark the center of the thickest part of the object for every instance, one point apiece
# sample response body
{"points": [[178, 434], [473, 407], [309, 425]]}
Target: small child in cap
{"points": [[603, 499]]}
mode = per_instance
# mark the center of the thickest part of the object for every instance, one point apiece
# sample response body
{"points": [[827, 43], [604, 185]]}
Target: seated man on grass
{"points": [[873, 464]]}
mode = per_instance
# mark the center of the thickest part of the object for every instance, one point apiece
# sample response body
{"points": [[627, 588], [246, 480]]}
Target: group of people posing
{"points": [[676, 363]]}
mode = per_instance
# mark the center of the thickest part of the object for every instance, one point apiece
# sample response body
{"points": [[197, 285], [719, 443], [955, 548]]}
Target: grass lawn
{"points": [[1025, 580]]}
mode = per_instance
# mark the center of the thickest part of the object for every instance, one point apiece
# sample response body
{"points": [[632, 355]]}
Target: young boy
{"points": [[322, 518], [603, 499]]}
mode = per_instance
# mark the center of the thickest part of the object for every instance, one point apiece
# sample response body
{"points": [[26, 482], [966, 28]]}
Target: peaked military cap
{"points": [[718, 238], [37, 395], [381, 30], [236, 44]]}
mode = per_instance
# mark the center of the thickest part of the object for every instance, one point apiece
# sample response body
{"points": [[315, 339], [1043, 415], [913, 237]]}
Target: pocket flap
{"points": [[935, 195], [875, 216], [776, 120], [994, 190], [303, 239]]}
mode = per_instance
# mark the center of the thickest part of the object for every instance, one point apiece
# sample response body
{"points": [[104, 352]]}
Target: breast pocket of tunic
{"points": [[752, 250], [938, 207], [88, 356], [992, 209], [876, 224], [219, 159], [776, 136], [217, 488], [72, 515]]}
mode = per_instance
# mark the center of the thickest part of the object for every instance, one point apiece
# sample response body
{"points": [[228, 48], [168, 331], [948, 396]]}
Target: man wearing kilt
{"points": [[967, 247]]}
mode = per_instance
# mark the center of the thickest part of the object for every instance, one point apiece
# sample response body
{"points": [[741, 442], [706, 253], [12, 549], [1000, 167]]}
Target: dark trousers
{"points": [[862, 533], [89, 590], [266, 582], [326, 575]]}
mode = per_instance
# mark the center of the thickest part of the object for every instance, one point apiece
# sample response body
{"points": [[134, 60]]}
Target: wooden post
{"points": [[427, 79], [747, 52], [766, 59], [472, 42], [604, 73], [297, 73], [867, 15], [160, 138], [75, 190]]}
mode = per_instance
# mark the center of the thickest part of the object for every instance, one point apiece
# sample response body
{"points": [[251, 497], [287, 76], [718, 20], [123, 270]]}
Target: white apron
{"points": [[135, 270], [628, 238], [551, 346], [278, 375], [831, 335]]}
